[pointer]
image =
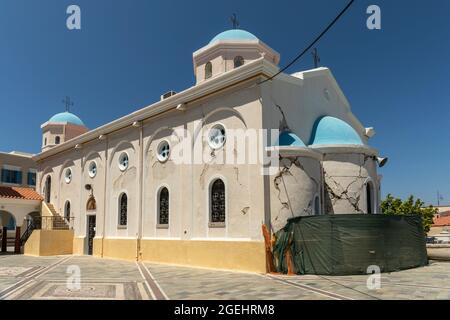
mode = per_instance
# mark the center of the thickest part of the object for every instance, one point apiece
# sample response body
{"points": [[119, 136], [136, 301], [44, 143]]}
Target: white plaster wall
{"points": [[293, 189], [345, 177], [119, 181]]}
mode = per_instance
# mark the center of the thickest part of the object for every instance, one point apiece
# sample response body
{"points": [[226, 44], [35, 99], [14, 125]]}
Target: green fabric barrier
{"points": [[346, 244]]}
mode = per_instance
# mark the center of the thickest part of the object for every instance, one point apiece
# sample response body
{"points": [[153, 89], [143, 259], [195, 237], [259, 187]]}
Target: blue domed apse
{"points": [[333, 131], [234, 34], [66, 117], [289, 139]]}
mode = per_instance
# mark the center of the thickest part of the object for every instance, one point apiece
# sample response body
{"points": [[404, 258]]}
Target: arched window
{"points": [[123, 209], [47, 189], [163, 206], [369, 197], [217, 202], [45, 141], [238, 61], [91, 204], [67, 210], [208, 70], [57, 140]]}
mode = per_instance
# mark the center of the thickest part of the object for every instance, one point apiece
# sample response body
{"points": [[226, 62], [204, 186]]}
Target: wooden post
{"points": [[4, 239], [17, 242]]}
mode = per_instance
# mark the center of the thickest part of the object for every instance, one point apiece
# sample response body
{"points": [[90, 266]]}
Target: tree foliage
{"points": [[395, 206]]}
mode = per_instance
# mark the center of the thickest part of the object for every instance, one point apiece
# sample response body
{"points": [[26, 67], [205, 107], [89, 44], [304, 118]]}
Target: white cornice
{"points": [[292, 151], [345, 148], [254, 68]]}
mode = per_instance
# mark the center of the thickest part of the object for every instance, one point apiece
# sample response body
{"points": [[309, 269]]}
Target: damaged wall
{"points": [[345, 179], [293, 189]]}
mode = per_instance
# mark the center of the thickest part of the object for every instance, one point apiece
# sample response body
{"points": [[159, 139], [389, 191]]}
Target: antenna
{"points": [[68, 103], [316, 58]]}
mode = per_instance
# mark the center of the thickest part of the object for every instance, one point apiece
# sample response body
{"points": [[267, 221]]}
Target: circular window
{"points": [[92, 169], [68, 175], [123, 161], [217, 136], [163, 151]]}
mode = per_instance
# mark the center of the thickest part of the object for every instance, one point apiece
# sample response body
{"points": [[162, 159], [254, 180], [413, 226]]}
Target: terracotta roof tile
{"points": [[19, 193], [441, 221]]}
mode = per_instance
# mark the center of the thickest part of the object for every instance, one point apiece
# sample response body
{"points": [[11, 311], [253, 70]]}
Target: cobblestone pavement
{"points": [[24, 277]]}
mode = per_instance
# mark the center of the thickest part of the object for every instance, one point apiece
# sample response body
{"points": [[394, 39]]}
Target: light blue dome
{"points": [[234, 34], [329, 130], [289, 139], [67, 117]]}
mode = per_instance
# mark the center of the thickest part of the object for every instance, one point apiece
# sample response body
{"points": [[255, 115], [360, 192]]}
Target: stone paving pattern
{"points": [[24, 277]]}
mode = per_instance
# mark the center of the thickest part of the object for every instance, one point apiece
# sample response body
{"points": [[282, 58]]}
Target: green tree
{"points": [[396, 206]]}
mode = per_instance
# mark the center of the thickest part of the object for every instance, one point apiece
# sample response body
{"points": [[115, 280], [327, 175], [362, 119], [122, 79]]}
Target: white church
{"points": [[125, 193]]}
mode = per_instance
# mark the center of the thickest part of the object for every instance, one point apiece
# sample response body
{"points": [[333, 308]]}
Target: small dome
{"points": [[234, 34], [289, 139], [67, 117], [329, 130]]}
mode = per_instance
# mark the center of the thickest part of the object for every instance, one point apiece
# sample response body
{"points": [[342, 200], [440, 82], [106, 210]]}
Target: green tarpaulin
{"points": [[347, 244]]}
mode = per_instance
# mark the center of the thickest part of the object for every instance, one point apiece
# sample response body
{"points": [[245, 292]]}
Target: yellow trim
{"points": [[231, 255], [49, 243]]}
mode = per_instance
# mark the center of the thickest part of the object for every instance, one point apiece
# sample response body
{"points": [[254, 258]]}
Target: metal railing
{"points": [[52, 223]]}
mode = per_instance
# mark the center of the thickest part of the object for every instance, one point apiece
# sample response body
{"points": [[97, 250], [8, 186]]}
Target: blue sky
{"points": [[129, 52]]}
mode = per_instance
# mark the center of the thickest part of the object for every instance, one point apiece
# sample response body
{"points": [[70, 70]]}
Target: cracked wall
{"points": [[345, 177], [293, 189]]}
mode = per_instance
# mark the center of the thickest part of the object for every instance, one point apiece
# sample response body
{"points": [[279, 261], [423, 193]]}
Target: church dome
{"points": [[234, 34], [66, 117], [289, 139], [333, 131]]}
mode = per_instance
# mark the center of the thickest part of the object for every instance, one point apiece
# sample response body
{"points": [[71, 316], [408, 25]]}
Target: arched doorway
{"points": [[47, 188], [7, 220]]}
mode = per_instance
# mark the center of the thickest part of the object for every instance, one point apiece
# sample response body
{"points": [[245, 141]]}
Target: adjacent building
{"points": [[18, 198]]}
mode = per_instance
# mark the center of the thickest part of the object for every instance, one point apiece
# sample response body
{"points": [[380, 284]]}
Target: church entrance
{"points": [[90, 234]]}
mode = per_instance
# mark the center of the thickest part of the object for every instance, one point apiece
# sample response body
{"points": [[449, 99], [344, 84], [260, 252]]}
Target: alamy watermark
{"points": [[73, 282], [374, 20], [73, 21], [374, 280]]}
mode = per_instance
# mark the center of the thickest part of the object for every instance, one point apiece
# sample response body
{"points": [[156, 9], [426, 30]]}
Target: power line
{"points": [[313, 43]]}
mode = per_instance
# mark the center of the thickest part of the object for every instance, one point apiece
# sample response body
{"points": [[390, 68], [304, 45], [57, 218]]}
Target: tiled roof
{"points": [[19, 193], [441, 221]]}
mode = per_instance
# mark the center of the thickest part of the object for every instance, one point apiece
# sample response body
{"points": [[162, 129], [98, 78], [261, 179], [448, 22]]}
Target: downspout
{"points": [[104, 193], [322, 178], [141, 173]]}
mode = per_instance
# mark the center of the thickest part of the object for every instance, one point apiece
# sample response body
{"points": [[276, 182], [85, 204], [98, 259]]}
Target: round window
{"points": [[163, 151], [68, 175], [92, 169], [123, 161], [217, 136]]}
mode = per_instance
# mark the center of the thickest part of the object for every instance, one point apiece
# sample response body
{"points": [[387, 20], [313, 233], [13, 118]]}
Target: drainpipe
{"points": [[104, 194], [141, 171]]}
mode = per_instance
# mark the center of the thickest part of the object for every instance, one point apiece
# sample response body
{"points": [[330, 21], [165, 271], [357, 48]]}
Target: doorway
{"points": [[90, 234]]}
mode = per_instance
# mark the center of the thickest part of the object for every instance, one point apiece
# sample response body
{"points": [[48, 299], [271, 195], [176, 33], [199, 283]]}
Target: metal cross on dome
{"points": [[68, 103], [234, 21]]}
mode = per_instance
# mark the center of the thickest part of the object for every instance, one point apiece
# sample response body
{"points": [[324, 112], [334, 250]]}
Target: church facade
{"points": [[167, 183]]}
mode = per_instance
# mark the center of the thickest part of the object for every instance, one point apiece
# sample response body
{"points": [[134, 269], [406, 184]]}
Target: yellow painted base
{"points": [[231, 255], [116, 248], [49, 243], [78, 245]]}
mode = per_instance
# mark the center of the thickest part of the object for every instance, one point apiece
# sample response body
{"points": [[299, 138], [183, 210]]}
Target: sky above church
{"points": [[128, 53]]}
